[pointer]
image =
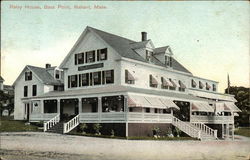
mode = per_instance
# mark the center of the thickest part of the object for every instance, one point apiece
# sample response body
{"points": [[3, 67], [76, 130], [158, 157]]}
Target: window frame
{"points": [[25, 91], [28, 76], [88, 54], [34, 90]]}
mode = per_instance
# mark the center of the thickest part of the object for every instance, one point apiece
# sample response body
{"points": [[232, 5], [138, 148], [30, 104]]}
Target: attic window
{"points": [[168, 61], [214, 87], [148, 55], [102, 54], [57, 74], [90, 56], [28, 76], [79, 58]]}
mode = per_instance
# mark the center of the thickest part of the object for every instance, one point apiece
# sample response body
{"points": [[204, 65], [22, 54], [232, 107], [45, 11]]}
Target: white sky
{"points": [[210, 39]]}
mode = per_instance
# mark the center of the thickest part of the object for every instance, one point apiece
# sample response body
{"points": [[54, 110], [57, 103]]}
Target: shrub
{"points": [[83, 128], [156, 132], [97, 128]]}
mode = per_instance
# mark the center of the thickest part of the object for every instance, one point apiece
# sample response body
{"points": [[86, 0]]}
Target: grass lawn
{"points": [[7, 124], [243, 131]]}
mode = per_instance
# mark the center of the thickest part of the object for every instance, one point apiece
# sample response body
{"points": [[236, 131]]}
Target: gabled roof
{"points": [[160, 49], [125, 48], [1, 78], [41, 74], [44, 75]]}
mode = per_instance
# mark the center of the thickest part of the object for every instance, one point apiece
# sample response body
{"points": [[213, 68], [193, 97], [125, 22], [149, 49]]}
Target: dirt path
{"points": [[49, 146]]}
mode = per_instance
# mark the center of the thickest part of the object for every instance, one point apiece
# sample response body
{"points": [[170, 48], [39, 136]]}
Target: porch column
{"points": [[227, 130], [58, 106], [126, 110], [31, 106], [80, 105], [99, 108], [42, 106], [233, 131]]}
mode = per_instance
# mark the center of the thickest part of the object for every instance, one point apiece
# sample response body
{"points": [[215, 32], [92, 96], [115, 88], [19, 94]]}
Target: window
{"points": [[79, 58], [156, 110], [97, 78], [109, 76], [181, 88], [193, 83], [102, 54], [129, 79], [207, 86], [72, 81], [34, 89], [172, 87], [84, 79], [163, 83], [168, 61], [152, 81], [90, 79], [147, 110], [90, 56], [25, 91], [148, 55], [28, 76], [201, 85], [214, 87], [57, 74]]}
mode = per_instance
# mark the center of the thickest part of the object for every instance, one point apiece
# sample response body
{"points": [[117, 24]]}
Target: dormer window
{"points": [[168, 61], [148, 55], [57, 74], [102, 54], [28, 76], [214, 87]]}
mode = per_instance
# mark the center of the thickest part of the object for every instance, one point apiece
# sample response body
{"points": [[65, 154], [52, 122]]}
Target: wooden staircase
{"points": [[199, 131], [57, 128]]}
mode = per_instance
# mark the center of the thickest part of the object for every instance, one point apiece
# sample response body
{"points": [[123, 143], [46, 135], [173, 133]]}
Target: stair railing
{"points": [[67, 127], [205, 129], [47, 125], [186, 127]]}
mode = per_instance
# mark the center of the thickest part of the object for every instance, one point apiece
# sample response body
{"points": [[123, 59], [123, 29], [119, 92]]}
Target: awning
{"points": [[201, 84], [232, 107], [202, 107], [208, 85], [236, 115], [153, 80], [130, 76], [226, 107], [169, 103], [138, 101], [166, 82], [155, 102], [174, 83], [182, 85]]}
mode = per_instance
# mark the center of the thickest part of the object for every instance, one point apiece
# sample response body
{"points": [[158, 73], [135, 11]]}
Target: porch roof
{"points": [[117, 90]]}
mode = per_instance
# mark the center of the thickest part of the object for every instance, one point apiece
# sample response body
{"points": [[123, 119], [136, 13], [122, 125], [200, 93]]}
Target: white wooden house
{"points": [[124, 85]]}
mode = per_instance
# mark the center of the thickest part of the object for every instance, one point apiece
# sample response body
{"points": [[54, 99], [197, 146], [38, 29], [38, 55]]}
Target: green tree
{"points": [[243, 102], [6, 99]]}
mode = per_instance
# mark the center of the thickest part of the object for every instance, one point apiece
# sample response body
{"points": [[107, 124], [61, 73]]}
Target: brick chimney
{"points": [[143, 36], [47, 65]]}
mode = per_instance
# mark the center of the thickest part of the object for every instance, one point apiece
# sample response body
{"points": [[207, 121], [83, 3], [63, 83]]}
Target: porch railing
{"points": [[42, 116], [47, 125], [211, 119], [67, 127], [121, 116], [206, 130]]}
